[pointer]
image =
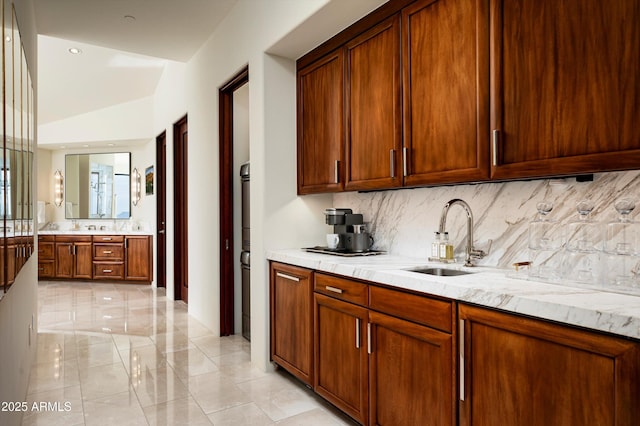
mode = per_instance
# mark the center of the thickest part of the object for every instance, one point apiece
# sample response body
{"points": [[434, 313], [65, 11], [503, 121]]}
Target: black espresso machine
{"points": [[354, 239]]}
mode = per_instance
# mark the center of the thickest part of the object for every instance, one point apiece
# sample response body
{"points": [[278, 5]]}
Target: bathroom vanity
{"points": [[95, 256]]}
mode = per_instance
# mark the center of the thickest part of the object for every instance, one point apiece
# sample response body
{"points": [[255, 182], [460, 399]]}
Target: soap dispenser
{"points": [[435, 246]]}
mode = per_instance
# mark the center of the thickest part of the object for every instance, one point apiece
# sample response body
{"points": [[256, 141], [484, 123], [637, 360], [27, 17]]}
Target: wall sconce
{"points": [[58, 188], [136, 186]]}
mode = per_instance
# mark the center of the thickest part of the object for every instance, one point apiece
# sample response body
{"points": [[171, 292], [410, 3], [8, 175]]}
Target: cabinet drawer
{"points": [[46, 251], [46, 269], [350, 291], [424, 310], [73, 238], [108, 251], [47, 238], [108, 238], [108, 271]]}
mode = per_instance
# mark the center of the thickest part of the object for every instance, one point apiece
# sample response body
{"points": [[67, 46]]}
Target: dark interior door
{"points": [[181, 281], [161, 209], [226, 200]]}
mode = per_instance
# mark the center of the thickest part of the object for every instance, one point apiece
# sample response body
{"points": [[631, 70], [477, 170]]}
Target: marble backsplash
{"points": [[403, 221]]}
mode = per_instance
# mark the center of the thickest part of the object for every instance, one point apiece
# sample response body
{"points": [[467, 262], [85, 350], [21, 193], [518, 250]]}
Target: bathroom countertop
{"points": [[490, 287], [91, 232]]}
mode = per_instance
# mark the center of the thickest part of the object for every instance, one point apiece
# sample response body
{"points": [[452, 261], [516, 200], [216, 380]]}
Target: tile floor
{"points": [[126, 355]]}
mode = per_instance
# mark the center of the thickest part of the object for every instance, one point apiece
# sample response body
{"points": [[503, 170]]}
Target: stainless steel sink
{"points": [[441, 272]]}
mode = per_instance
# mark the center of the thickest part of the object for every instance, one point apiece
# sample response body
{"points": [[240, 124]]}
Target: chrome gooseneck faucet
{"points": [[470, 250]]}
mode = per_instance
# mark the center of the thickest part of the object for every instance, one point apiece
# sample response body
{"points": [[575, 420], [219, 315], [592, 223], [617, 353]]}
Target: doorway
{"points": [[180, 207], [161, 209], [229, 258]]}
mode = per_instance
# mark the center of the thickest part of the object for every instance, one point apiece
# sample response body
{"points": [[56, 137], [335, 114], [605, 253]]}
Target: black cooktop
{"points": [[342, 252]]}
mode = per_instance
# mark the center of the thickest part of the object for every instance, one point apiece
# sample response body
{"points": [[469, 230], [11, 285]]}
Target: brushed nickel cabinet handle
{"points": [[392, 158], [107, 252], [404, 162], [107, 238], [287, 277], [333, 289], [107, 271], [369, 348], [357, 333], [461, 351], [336, 172], [495, 140]]}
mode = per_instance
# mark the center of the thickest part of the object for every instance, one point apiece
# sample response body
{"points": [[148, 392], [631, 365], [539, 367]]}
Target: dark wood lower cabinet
{"points": [[291, 321], [390, 357], [341, 359], [411, 374], [521, 371]]}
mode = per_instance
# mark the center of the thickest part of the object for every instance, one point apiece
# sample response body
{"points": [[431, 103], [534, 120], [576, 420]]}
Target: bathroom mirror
{"points": [[97, 186]]}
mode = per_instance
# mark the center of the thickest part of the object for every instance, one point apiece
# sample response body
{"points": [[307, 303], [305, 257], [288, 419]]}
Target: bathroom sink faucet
{"points": [[470, 250]]}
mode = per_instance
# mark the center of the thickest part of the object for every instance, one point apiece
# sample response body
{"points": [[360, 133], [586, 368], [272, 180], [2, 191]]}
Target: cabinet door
{"points": [[529, 372], [83, 260], [64, 260], [565, 86], [291, 320], [411, 374], [374, 108], [341, 359], [320, 125], [445, 50], [138, 258]]}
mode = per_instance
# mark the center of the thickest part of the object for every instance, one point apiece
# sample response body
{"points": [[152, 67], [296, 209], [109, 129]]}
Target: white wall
{"points": [[127, 121], [278, 217], [18, 307]]}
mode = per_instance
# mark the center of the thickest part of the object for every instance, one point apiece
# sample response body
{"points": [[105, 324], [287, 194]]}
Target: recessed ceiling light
{"points": [[111, 144], [74, 50], [129, 18], [85, 146]]}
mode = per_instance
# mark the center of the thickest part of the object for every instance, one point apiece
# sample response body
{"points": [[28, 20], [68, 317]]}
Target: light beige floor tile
{"points": [[190, 362], [215, 392], [119, 410], [214, 346], [171, 342], [142, 358], [180, 412], [60, 407], [53, 375], [103, 381], [98, 354], [126, 341], [277, 398], [316, 417], [157, 386], [247, 414]]}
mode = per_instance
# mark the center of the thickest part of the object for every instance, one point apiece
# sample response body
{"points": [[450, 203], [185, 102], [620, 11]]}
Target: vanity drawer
{"points": [[340, 288], [108, 239], [114, 271], [108, 251], [46, 269], [46, 250], [431, 312]]}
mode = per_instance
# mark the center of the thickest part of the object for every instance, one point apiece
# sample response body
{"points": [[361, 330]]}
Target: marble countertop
{"points": [[91, 232], [598, 310]]}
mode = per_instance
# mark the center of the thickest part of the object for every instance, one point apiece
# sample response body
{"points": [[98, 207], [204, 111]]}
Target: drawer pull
{"points": [[288, 277], [461, 362], [357, 333], [107, 238], [334, 289], [107, 252], [107, 271]]}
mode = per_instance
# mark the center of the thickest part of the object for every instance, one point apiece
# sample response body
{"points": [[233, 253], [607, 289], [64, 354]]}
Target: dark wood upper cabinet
{"points": [[452, 91], [320, 125], [565, 86], [374, 108], [445, 61]]}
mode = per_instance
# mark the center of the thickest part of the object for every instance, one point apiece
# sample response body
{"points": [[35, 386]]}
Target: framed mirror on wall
{"points": [[97, 186], [16, 153]]}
